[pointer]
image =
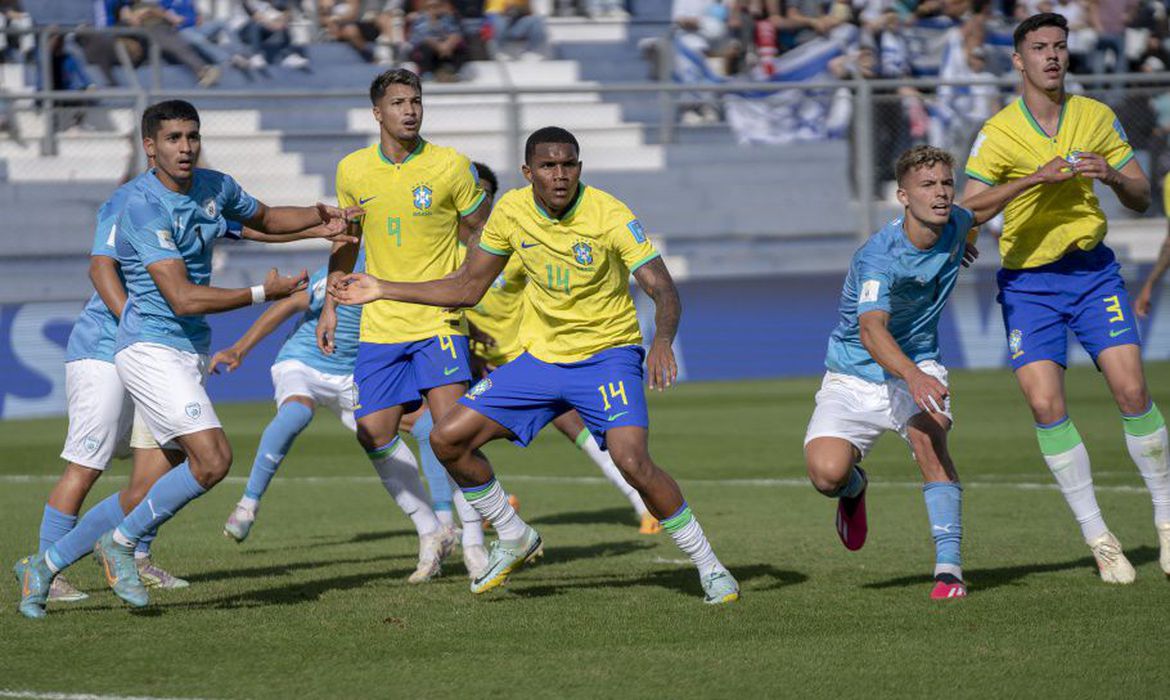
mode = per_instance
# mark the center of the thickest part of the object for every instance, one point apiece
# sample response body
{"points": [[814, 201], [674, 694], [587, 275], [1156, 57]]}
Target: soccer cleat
{"points": [[117, 565], [507, 556], [948, 586], [719, 587], [1164, 542], [475, 558], [512, 501], [432, 550], [1111, 561], [650, 525], [239, 523], [61, 591], [154, 576], [36, 578], [851, 522]]}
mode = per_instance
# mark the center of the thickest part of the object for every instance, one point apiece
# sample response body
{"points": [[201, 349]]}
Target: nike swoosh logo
{"points": [[616, 416], [448, 371], [363, 201], [526, 244], [1114, 334]]}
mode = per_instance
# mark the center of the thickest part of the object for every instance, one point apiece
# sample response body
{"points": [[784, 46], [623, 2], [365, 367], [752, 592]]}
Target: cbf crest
{"points": [[423, 196], [479, 389], [1015, 342], [583, 253]]}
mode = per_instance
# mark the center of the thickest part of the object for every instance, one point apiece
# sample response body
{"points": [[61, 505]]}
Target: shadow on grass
{"points": [[330, 541], [620, 516], [682, 579], [986, 579], [558, 553]]}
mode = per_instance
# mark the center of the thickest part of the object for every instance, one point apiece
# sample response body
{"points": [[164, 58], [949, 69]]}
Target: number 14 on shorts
{"points": [[616, 391]]}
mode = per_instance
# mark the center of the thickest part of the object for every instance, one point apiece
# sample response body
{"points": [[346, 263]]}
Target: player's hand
{"points": [[335, 222], [1054, 171], [1141, 305], [356, 288], [929, 393], [228, 358], [661, 365], [970, 254], [326, 327], [277, 286], [1094, 165]]}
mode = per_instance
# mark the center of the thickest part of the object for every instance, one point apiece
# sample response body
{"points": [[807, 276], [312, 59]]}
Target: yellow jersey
{"points": [[577, 299], [1166, 194], [1045, 222], [409, 231], [499, 312]]}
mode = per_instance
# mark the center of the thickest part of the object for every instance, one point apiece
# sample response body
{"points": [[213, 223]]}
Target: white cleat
{"points": [[475, 558], [1111, 561], [61, 591], [1164, 541], [432, 550]]}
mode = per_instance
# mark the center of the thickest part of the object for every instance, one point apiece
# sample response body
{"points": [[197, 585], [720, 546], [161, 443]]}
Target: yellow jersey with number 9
{"points": [[409, 231], [577, 300], [1047, 221]]}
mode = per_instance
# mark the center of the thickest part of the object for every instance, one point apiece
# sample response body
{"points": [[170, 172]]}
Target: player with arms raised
{"points": [[1058, 276]]}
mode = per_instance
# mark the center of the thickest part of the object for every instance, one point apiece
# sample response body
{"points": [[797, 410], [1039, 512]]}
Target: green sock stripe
{"points": [[384, 451], [478, 492], [582, 438], [679, 521], [1143, 425], [1059, 439]]}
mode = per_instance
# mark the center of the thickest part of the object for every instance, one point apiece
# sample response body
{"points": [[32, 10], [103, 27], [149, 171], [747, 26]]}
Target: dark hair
{"points": [[921, 157], [1044, 19], [154, 115], [394, 76], [549, 134], [486, 175]]}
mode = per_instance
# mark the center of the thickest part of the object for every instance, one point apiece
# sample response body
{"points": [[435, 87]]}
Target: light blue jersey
{"points": [[302, 342], [157, 224], [890, 274]]}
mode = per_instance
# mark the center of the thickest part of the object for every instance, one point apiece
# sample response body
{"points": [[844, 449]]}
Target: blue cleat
{"points": [[719, 587], [117, 564], [35, 580]]}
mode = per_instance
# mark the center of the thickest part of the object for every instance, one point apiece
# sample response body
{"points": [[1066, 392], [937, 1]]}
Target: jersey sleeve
{"points": [[989, 162], [630, 238], [465, 189], [238, 205], [105, 234], [1115, 146], [873, 284], [494, 238], [146, 229], [234, 230]]}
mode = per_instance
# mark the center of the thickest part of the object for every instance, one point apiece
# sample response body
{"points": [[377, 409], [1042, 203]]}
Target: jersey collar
{"points": [[570, 212], [1036, 125], [386, 159]]}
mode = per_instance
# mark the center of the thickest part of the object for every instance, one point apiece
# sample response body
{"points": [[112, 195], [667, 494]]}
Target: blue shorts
{"points": [[397, 374], [1083, 292], [525, 394]]}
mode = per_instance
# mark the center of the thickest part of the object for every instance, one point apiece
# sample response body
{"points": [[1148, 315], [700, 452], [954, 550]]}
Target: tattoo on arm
{"points": [[655, 280]]}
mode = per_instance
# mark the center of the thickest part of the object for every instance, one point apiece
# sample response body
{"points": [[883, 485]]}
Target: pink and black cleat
{"points": [[851, 523], [947, 586]]}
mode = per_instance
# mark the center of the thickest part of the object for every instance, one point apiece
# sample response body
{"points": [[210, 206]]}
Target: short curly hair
{"points": [[921, 157]]}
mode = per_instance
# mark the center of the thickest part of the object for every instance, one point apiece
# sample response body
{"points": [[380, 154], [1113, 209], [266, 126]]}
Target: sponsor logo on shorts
{"points": [[616, 416], [479, 389], [448, 371], [1015, 342], [193, 410], [91, 444], [1119, 331]]}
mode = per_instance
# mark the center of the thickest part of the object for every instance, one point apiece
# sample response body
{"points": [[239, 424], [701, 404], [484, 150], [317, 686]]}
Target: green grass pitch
{"points": [[316, 604]]}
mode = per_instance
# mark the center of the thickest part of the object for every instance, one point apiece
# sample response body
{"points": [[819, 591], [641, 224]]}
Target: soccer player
{"points": [[583, 348], [883, 363], [419, 199], [1143, 303], [1058, 276], [170, 222]]}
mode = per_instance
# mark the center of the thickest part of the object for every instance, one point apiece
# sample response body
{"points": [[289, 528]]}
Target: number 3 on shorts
{"points": [[617, 391]]}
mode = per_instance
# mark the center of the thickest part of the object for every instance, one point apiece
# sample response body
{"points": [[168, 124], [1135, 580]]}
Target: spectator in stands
{"points": [[353, 21], [14, 18], [159, 26], [597, 9], [477, 30], [438, 46], [266, 32], [512, 22], [1109, 18], [202, 34]]}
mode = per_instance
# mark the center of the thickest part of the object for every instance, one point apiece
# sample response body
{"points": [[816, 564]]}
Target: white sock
{"points": [[250, 504], [491, 503], [684, 527], [602, 459], [472, 523], [446, 518], [398, 470], [1150, 454], [1068, 460]]}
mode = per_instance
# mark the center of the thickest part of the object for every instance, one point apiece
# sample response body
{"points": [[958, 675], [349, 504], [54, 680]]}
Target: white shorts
{"points": [[334, 391], [859, 411], [100, 414], [167, 387]]}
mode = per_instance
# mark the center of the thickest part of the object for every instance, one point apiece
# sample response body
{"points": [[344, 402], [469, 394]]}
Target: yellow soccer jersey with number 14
{"points": [[410, 231], [577, 300], [1045, 222]]}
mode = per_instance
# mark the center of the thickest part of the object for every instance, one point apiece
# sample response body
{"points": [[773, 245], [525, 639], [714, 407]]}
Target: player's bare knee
{"points": [[1133, 400], [449, 444], [1047, 409], [827, 478]]}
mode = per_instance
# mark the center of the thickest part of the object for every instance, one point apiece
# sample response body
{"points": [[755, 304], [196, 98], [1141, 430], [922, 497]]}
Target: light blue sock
{"points": [[167, 497], [98, 520], [278, 437], [142, 549], [54, 526], [944, 506], [432, 468]]}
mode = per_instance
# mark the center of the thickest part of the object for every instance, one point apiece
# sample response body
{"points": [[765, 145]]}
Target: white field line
{"points": [[597, 480], [5, 693]]}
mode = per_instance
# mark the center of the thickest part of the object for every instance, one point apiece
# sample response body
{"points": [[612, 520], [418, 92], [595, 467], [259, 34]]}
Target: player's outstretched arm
{"points": [[283, 221], [986, 201], [103, 272], [927, 391], [1130, 183], [188, 299], [318, 231], [231, 357], [655, 280], [461, 289], [1142, 305]]}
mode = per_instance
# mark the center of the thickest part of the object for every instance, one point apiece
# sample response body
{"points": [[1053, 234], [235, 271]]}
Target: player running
{"points": [[171, 220], [884, 373], [419, 198], [583, 348], [1058, 276]]}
